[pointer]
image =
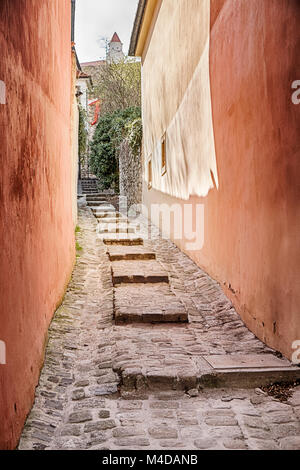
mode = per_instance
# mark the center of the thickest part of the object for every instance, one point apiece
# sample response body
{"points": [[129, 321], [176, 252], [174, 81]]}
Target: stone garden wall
{"points": [[130, 175]]}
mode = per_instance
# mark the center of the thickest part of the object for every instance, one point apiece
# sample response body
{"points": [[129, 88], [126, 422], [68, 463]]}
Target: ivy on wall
{"points": [[134, 131], [82, 133], [111, 130]]}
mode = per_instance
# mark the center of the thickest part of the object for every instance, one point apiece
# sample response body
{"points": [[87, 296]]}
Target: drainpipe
{"points": [[73, 8]]}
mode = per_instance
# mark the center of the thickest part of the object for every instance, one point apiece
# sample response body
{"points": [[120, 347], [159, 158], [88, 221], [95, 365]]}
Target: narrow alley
{"points": [[130, 354], [149, 227]]}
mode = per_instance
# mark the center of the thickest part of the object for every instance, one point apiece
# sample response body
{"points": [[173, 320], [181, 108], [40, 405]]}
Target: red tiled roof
{"points": [[95, 63], [115, 38], [83, 75]]}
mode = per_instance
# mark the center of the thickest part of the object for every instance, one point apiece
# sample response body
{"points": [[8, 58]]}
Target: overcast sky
{"points": [[96, 19]]}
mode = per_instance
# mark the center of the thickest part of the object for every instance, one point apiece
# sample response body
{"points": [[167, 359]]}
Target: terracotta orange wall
{"points": [[252, 221], [36, 226]]}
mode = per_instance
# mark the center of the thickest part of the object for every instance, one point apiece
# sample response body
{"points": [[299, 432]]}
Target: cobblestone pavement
{"points": [[93, 391]]}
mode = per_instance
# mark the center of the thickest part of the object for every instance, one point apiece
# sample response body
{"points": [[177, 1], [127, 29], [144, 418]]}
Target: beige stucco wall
{"points": [[251, 222], [177, 100]]}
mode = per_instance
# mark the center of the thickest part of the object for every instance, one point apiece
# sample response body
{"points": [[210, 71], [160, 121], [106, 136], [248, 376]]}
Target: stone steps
{"points": [[137, 276], [92, 203], [99, 194], [122, 239], [114, 220], [106, 209], [100, 214], [122, 253], [92, 197], [164, 356], [89, 187], [138, 272], [186, 376], [150, 386], [156, 346], [134, 304], [116, 228]]}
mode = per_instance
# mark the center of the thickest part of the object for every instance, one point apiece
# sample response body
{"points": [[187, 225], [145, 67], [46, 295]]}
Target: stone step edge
{"points": [[103, 215], [135, 382], [123, 242], [150, 318], [116, 230], [139, 278], [92, 198], [98, 205], [131, 256]]}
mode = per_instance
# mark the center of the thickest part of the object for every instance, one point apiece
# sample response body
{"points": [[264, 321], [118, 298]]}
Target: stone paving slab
{"points": [[248, 378], [133, 304], [95, 197], [213, 420], [249, 361], [131, 271]]}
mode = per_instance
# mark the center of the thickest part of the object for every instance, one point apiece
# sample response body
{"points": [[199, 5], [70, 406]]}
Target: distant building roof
{"points": [[115, 38], [142, 5], [73, 3], [95, 63], [147, 11], [83, 75]]}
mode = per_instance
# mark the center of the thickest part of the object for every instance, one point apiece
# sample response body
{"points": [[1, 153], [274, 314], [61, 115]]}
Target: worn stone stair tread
{"points": [[167, 368], [116, 228], [248, 378], [98, 204], [115, 220], [122, 253], [102, 208], [249, 361], [134, 304], [145, 271], [148, 317], [106, 214], [121, 239], [92, 197], [102, 195], [99, 195]]}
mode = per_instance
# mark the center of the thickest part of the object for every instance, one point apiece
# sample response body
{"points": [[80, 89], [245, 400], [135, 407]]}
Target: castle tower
{"points": [[115, 50]]}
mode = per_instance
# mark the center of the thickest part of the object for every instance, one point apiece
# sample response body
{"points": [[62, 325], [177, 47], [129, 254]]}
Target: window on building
{"points": [[150, 173], [163, 155]]}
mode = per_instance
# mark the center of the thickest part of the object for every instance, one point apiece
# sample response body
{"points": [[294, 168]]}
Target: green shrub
{"points": [[134, 131], [111, 130], [82, 133]]}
